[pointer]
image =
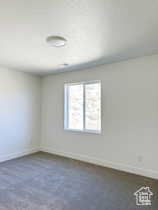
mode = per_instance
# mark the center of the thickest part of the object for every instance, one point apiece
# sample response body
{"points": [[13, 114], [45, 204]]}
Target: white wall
{"points": [[129, 139], [19, 113]]}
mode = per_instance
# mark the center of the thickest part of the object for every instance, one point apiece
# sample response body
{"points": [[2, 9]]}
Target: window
{"points": [[83, 107]]}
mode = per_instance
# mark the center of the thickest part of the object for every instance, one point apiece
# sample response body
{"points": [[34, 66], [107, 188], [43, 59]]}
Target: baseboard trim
{"points": [[4, 158], [121, 167]]}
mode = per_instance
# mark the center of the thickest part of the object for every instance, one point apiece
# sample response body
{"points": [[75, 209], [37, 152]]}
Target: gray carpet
{"points": [[48, 182]]}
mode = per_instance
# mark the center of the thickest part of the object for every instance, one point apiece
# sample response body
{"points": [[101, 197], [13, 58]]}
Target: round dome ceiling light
{"points": [[56, 41], [64, 65]]}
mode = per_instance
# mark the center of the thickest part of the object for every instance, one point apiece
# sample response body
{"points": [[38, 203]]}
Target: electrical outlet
{"points": [[140, 158]]}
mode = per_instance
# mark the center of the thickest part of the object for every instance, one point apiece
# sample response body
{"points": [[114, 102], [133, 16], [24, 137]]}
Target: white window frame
{"points": [[66, 107]]}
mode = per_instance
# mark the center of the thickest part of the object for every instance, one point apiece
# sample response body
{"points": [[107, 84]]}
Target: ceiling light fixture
{"points": [[56, 41], [64, 65]]}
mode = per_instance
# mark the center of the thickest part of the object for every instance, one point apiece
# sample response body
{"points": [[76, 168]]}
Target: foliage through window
{"points": [[83, 106]]}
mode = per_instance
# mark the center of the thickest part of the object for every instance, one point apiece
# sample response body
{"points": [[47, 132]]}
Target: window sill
{"points": [[84, 131]]}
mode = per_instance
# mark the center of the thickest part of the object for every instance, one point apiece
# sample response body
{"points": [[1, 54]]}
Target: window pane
{"points": [[75, 117], [93, 106]]}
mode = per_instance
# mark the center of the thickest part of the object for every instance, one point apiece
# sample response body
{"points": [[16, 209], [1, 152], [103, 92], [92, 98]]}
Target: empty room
{"points": [[78, 105]]}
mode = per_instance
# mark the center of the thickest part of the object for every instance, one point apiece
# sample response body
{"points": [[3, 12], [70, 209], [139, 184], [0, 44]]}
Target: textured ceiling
{"points": [[98, 31]]}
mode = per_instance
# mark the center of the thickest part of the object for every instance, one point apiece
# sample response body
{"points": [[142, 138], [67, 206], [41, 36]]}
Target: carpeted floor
{"points": [[48, 182]]}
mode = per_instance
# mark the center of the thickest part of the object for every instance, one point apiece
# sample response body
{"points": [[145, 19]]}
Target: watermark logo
{"points": [[143, 196]]}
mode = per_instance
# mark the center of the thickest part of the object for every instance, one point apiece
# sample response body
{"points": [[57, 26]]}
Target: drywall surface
{"points": [[19, 113], [129, 138]]}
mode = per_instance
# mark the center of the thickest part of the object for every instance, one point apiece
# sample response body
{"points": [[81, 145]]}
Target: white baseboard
{"points": [[101, 162], [17, 155], [117, 166]]}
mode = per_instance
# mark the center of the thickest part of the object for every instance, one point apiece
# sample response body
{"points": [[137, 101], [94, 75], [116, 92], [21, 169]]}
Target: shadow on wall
{"points": [[18, 112]]}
